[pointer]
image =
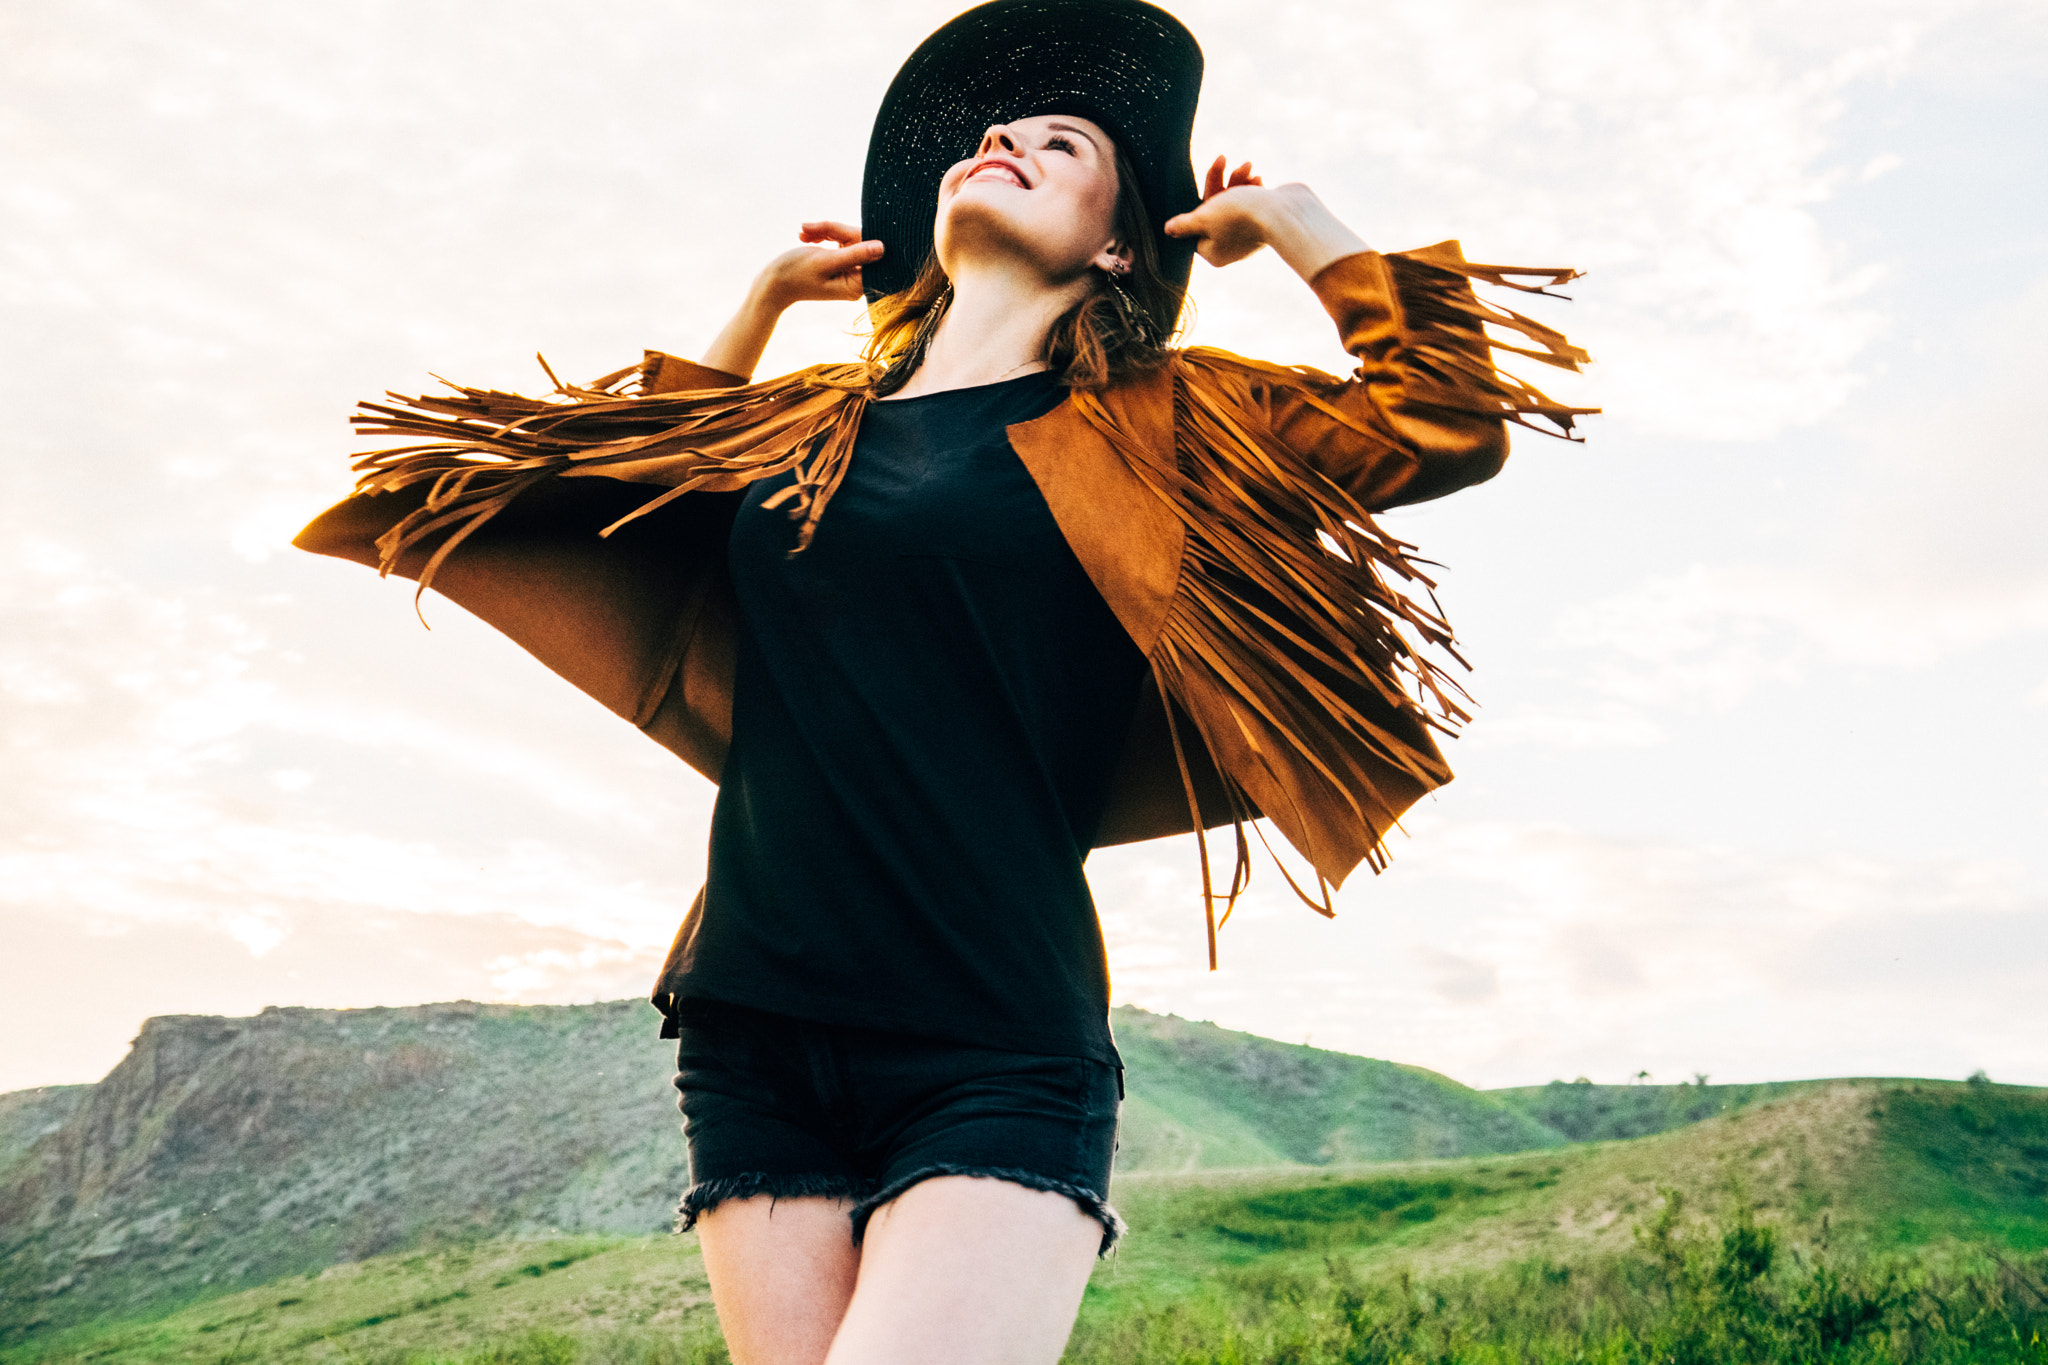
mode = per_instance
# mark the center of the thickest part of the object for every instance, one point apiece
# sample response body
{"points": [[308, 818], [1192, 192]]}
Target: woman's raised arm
{"points": [[1426, 411], [798, 275]]}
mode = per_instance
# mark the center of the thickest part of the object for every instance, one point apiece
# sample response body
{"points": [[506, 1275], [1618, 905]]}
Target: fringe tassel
{"points": [[1296, 605], [485, 447], [1450, 349], [1289, 608]]}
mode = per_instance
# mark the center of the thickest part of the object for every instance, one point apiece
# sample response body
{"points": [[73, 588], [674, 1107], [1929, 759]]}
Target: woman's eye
{"points": [[1062, 144]]}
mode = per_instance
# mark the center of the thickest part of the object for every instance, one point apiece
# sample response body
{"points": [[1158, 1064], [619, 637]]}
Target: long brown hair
{"points": [[1092, 345]]}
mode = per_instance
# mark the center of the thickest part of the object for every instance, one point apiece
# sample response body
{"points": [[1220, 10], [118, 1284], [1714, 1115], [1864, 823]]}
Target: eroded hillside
{"points": [[225, 1152]]}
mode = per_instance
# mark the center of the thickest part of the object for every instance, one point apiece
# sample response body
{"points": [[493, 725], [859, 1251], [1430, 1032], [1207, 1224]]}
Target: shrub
{"points": [[1682, 1297]]}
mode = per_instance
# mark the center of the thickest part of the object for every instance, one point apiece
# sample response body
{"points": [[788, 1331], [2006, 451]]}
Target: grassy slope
{"points": [[591, 1287], [1585, 1112], [1961, 1161], [1204, 1097], [1856, 1163], [1873, 1164], [224, 1153]]}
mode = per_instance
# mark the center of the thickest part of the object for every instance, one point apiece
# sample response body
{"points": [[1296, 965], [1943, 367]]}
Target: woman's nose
{"points": [[999, 138]]}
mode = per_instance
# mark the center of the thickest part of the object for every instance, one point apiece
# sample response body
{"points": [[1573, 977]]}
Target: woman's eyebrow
{"points": [[1070, 128]]}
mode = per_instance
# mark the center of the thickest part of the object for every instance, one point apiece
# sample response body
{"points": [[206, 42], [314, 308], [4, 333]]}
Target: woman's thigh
{"points": [[781, 1272], [966, 1270]]}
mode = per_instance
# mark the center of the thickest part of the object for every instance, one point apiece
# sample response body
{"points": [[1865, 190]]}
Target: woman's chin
{"points": [[977, 231], [980, 209]]}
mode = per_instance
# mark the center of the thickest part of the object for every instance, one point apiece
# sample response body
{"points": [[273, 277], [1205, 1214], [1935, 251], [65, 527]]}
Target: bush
{"points": [[1683, 1297]]}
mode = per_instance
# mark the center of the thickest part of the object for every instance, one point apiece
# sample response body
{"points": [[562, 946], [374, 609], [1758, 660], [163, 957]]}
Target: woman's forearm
{"points": [[1301, 228], [738, 348]]}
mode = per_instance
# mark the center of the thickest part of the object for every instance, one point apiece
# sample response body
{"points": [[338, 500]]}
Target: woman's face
{"points": [[1041, 190]]}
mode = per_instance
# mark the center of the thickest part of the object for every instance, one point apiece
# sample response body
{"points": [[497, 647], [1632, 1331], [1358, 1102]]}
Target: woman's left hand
{"points": [[1230, 221], [1238, 216]]}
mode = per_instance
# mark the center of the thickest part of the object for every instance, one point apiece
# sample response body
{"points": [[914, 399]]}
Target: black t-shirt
{"points": [[929, 699]]}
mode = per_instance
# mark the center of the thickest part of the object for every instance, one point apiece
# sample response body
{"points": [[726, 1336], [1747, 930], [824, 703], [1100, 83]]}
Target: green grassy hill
{"points": [[226, 1153], [1260, 1265], [1205, 1097], [1585, 1112], [1874, 1164]]}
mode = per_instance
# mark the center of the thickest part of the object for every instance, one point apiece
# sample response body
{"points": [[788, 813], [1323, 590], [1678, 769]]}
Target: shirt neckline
{"points": [[969, 388]]}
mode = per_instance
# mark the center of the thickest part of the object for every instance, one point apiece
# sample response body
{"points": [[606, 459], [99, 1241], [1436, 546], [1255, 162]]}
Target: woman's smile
{"points": [[992, 167]]}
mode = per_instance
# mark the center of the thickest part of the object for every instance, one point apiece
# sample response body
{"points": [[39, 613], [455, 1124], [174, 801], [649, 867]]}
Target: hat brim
{"points": [[1127, 66]]}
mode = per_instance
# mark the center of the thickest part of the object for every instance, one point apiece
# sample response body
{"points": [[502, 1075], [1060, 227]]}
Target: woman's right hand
{"points": [[800, 275], [818, 273]]}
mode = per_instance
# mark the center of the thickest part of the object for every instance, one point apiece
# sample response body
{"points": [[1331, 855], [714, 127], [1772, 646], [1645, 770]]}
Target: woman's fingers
{"points": [[1204, 220], [1217, 181], [825, 230], [825, 271], [839, 271], [830, 263], [854, 254], [848, 260], [1229, 225]]}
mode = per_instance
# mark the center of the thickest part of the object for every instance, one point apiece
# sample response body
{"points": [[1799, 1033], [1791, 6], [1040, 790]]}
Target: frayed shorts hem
{"points": [[1092, 1204], [706, 1195]]}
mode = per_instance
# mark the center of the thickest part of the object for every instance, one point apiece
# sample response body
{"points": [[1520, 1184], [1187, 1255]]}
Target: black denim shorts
{"points": [[790, 1108]]}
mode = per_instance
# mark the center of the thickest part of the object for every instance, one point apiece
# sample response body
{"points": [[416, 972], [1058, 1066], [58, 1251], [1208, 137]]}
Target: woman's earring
{"points": [[922, 342], [899, 372], [1127, 310]]}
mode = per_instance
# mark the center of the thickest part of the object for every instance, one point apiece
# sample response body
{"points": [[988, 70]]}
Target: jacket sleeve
{"points": [[1426, 412], [664, 373]]}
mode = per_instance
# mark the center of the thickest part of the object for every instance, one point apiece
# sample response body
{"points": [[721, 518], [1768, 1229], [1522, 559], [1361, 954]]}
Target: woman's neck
{"points": [[994, 329]]}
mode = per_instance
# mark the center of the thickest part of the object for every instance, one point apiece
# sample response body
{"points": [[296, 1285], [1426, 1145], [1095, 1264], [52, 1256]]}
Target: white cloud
{"points": [[259, 932], [1507, 954], [142, 732], [1709, 637], [1604, 727], [1931, 549]]}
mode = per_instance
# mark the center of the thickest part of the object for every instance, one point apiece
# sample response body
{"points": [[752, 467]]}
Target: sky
{"points": [[1758, 786]]}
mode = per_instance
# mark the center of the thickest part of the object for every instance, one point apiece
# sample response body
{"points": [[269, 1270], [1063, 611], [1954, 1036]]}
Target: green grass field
{"points": [[1870, 1222]]}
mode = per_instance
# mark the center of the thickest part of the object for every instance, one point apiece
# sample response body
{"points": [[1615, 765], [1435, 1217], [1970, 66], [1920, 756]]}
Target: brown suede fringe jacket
{"points": [[1222, 506]]}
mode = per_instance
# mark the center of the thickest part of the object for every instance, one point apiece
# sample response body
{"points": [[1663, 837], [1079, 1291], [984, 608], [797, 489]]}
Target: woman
{"points": [[1074, 588]]}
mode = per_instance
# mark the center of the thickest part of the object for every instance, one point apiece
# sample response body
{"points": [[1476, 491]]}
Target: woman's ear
{"points": [[1113, 260]]}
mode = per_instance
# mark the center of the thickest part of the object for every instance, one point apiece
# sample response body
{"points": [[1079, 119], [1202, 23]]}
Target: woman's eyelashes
{"points": [[1058, 143]]}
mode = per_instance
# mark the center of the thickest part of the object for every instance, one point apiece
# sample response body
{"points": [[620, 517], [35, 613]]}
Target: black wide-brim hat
{"points": [[1127, 66]]}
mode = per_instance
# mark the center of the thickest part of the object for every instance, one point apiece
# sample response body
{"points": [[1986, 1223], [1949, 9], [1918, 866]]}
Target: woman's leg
{"points": [[960, 1270], [781, 1272]]}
